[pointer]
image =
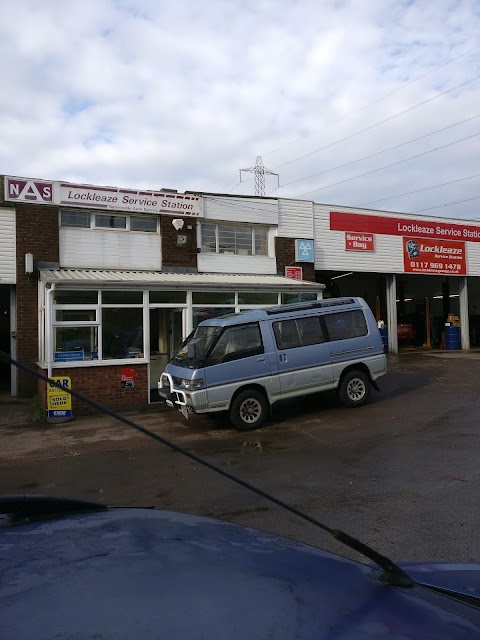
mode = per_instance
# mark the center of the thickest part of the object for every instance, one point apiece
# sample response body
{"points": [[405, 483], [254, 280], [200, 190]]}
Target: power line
{"points": [[393, 164], [446, 204], [408, 193], [377, 153], [329, 124], [377, 124]]}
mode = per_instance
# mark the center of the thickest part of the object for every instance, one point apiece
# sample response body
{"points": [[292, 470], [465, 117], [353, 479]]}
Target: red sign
{"points": [[403, 227], [434, 256], [127, 374], [359, 242], [294, 272]]}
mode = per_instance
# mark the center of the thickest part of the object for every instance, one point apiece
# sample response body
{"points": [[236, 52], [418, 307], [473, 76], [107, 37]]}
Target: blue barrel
{"points": [[384, 334], [452, 338]]}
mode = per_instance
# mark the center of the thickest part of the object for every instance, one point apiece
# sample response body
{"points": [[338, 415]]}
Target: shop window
{"points": [[122, 297], [257, 298], [75, 315], [289, 298], [107, 221], [122, 333], [201, 314], [213, 297], [166, 297], [73, 344], [346, 324], [75, 219], [143, 223], [63, 296], [234, 239]]}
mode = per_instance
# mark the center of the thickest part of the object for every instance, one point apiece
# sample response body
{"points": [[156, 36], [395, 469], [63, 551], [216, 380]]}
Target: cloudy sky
{"points": [[372, 103]]}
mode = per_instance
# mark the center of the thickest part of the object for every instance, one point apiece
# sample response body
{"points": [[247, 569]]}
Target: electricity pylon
{"points": [[259, 171]]}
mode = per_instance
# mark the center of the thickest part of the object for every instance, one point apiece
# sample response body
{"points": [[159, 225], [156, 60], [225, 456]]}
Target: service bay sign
{"points": [[422, 255], [359, 242]]}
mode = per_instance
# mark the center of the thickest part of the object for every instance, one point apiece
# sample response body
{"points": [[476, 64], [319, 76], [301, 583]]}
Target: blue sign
{"points": [[68, 356], [304, 250], [59, 413]]}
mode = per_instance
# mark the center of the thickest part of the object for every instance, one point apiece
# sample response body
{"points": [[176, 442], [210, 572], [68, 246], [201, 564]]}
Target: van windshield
{"points": [[196, 345]]}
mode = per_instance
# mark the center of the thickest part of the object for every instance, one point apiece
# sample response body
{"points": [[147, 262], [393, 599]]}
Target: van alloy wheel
{"points": [[249, 410], [354, 388]]}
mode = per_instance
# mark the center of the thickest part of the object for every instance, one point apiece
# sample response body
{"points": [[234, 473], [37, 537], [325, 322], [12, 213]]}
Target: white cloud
{"points": [[183, 95]]}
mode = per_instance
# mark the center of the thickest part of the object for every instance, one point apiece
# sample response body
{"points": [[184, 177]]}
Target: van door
{"points": [[303, 356], [350, 340], [237, 358]]}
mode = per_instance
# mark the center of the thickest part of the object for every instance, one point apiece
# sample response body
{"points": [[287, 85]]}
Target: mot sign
{"points": [[446, 257]]}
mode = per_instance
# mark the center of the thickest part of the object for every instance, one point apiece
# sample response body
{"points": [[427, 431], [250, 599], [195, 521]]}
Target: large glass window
{"points": [[346, 324], [289, 298], [206, 313], [73, 344], [76, 315], [122, 297], [63, 296], [213, 297], [122, 333], [167, 297], [245, 297], [232, 239]]}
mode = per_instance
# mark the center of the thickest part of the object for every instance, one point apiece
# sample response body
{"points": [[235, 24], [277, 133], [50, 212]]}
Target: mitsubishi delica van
{"points": [[245, 362]]}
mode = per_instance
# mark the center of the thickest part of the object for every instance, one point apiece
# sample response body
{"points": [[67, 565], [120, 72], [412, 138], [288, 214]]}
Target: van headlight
{"points": [[191, 385]]}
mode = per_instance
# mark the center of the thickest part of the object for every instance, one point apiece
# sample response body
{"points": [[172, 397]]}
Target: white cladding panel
{"points": [[473, 258], [295, 219], [330, 250], [8, 270], [222, 263], [109, 249], [240, 209]]}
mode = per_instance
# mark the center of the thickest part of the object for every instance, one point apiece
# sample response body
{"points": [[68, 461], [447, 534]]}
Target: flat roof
{"points": [[146, 279]]}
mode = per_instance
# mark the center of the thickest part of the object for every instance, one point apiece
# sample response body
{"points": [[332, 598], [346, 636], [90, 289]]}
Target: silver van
{"points": [[245, 362]]}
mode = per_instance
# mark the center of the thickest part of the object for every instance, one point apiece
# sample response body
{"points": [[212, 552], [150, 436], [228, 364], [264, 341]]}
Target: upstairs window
{"points": [[242, 240]]}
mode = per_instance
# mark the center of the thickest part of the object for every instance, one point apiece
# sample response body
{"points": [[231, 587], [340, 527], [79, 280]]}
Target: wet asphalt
{"points": [[401, 474]]}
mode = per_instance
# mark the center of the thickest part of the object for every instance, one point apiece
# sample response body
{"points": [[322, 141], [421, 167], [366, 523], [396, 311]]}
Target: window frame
{"points": [[252, 227]]}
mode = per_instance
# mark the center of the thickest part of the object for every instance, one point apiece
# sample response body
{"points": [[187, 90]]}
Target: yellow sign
{"points": [[59, 402]]}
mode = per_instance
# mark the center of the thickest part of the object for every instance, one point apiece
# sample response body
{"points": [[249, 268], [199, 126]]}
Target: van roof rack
{"points": [[305, 306]]}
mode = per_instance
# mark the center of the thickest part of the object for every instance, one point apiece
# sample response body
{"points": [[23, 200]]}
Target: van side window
{"points": [[298, 333], [239, 341], [346, 324]]}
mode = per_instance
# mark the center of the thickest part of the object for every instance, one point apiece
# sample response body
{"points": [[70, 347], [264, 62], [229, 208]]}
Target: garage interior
{"points": [[418, 296]]}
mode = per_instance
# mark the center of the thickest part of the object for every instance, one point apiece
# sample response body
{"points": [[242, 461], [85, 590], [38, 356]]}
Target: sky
{"points": [[370, 103]]}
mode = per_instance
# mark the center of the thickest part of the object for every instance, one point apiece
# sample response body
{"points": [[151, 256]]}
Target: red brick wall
{"points": [[103, 385], [285, 253], [178, 256], [37, 233]]}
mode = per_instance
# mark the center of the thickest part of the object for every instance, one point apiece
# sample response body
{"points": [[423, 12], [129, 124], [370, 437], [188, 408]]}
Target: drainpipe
{"points": [[464, 319], [48, 328]]}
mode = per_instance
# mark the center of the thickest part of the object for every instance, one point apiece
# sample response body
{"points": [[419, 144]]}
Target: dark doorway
{"points": [[5, 334]]}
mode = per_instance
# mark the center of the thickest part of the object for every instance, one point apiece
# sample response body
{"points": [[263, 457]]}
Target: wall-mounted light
{"points": [[29, 263], [178, 223]]}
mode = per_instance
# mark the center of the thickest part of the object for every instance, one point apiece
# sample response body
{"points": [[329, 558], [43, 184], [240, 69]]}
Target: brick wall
{"points": [[103, 385], [37, 233], [285, 253], [173, 256]]}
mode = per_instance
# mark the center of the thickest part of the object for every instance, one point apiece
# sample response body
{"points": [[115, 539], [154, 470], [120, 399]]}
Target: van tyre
{"points": [[249, 410], [354, 389]]}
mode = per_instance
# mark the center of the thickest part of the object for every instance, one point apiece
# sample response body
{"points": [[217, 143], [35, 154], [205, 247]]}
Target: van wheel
{"points": [[354, 389], [249, 410]]}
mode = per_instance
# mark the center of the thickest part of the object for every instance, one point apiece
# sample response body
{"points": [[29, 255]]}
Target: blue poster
{"points": [[304, 250]]}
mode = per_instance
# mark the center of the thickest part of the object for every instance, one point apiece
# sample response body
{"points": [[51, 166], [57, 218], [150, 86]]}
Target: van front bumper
{"points": [[184, 401]]}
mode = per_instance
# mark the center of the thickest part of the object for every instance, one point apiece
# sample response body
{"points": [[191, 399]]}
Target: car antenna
{"points": [[392, 574]]}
